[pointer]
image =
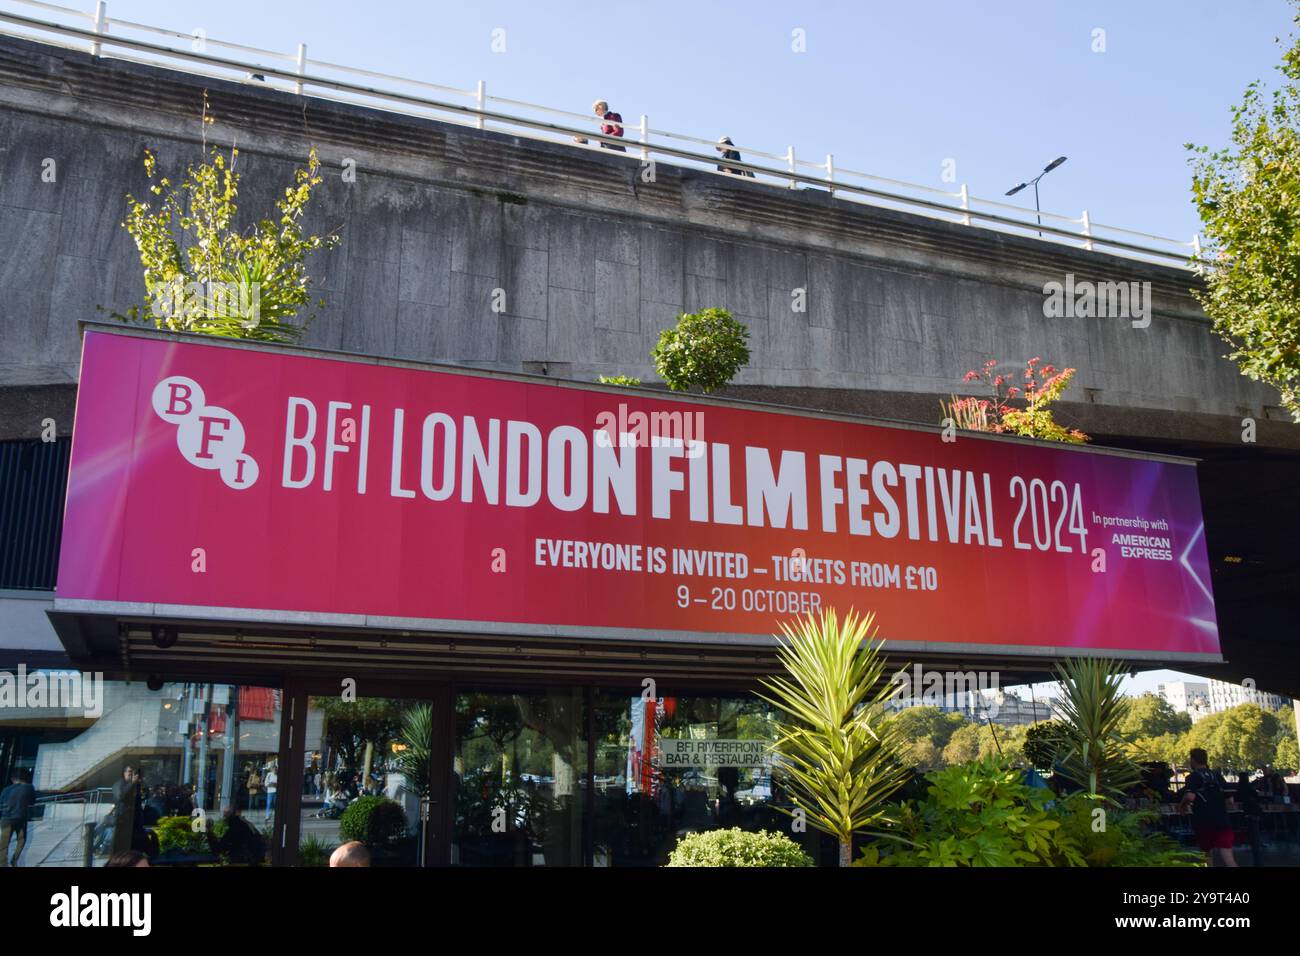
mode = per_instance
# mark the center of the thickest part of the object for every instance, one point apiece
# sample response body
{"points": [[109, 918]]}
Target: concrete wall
{"points": [[593, 262]]}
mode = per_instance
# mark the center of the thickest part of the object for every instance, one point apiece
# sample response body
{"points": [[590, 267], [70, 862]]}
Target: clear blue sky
{"points": [[890, 88]]}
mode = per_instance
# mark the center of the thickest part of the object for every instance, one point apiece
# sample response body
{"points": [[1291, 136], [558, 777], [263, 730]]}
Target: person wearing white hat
{"points": [[728, 150]]}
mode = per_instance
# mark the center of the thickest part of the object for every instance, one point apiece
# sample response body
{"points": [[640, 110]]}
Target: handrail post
{"points": [[480, 100], [645, 137], [1087, 231], [302, 67], [789, 157], [830, 172], [101, 24], [965, 204]]}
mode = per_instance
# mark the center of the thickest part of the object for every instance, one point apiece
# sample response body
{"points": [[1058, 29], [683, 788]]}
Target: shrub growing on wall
{"points": [[705, 349], [1043, 385], [203, 275]]}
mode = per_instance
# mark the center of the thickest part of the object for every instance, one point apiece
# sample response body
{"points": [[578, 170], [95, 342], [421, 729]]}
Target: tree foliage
{"points": [[1242, 738], [705, 349], [1248, 197], [1042, 741], [351, 724], [1151, 716], [925, 732]]}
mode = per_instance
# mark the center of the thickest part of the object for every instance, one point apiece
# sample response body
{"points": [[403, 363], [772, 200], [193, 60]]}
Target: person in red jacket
{"points": [[612, 125]]}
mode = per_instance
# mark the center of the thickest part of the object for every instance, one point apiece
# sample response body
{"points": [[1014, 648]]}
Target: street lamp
{"points": [[1034, 182]]}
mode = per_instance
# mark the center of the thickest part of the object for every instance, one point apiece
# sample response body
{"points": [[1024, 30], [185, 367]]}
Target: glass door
{"points": [[367, 782], [520, 773]]}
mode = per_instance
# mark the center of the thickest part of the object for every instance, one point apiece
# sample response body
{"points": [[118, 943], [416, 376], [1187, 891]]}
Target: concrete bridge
{"points": [[439, 221]]}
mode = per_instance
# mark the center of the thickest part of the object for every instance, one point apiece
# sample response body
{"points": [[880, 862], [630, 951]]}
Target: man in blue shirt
{"points": [[15, 803]]}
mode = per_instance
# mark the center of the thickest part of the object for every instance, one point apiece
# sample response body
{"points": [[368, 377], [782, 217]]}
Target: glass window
{"points": [[119, 767], [678, 765], [520, 762], [365, 776]]}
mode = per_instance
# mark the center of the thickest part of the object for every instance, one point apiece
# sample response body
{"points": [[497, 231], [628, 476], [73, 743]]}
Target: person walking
{"points": [[15, 807], [126, 800], [254, 788], [1248, 800], [613, 125], [270, 781], [1205, 798], [728, 150]]}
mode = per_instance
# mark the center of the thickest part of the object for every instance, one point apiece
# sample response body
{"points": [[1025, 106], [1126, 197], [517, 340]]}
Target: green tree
{"points": [[1286, 745], [1151, 716], [201, 274], [705, 349], [1009, 741], [1248, 197], [964, 745], [1286, 753], [925, 731], [1042, 741], [1241, 738], [840, 752], [1168, 748], [352, 724]]}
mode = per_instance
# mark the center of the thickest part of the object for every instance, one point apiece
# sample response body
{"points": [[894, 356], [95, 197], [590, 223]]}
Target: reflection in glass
{"points": [[520, 762], [165, 772], [675, 765], [366, 771]]}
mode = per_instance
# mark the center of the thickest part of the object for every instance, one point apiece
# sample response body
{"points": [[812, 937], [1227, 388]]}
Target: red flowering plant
{"points": [[1042, 386]]}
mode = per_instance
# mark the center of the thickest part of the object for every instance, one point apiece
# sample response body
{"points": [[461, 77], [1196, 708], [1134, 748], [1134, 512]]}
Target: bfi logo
{"points": [[209, 436]]}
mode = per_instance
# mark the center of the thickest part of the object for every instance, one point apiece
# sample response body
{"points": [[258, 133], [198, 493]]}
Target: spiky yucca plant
{"points": [[416, 740], [840, 753], [1091, 750]]}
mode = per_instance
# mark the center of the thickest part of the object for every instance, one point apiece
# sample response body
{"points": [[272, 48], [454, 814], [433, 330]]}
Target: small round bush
{"points": [[736, 847], [178, 834], [375, 821], [706, 349]]}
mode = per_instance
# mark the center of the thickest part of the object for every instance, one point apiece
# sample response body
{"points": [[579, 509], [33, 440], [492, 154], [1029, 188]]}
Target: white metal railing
{"points": [[296, 73]]}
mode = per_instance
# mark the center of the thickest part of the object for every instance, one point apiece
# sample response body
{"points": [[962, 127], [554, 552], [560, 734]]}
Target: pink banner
{"points": [[218, 476]]}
